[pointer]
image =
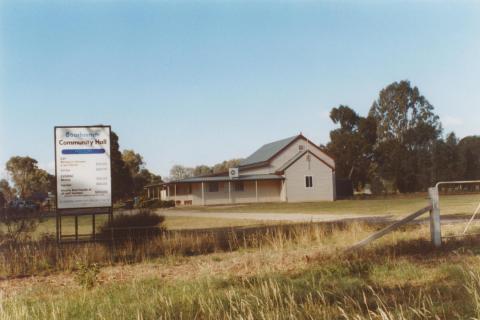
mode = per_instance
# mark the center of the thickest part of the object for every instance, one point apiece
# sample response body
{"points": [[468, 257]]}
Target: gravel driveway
{"points": [[293, 217]]}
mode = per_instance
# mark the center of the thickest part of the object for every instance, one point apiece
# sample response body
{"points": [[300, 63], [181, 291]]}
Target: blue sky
{"points": [[200, 82]]}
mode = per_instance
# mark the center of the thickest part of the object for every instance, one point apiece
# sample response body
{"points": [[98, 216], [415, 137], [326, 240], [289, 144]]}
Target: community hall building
{"points": [[288, 170]]}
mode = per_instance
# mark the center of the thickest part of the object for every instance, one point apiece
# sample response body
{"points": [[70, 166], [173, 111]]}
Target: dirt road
{"points": [[292, 217]]}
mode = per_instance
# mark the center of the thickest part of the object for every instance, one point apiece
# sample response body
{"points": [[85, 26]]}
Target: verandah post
{"points": [[229, 191], [175, 193], [435, 231]]}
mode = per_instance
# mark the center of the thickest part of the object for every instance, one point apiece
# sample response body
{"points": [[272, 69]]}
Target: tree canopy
{"points": [[399, 143], [178, 172], [27, 177], [139, 174], [352, 144]]}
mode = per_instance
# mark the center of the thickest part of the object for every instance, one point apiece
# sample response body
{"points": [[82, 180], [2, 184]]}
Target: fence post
{"points": [[435, 231]]}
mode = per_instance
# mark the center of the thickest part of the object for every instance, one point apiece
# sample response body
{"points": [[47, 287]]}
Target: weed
{"points": [[86, 275]]}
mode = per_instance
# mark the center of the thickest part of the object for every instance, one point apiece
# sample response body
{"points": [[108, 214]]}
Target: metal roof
{"points": [[267, 151], [291, 161], [224, 178]]}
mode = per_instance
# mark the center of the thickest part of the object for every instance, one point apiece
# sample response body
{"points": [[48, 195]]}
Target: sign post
{"points": [[83, 175]]}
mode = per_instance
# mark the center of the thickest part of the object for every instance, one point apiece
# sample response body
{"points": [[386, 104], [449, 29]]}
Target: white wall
{"points": [[323, 181]]}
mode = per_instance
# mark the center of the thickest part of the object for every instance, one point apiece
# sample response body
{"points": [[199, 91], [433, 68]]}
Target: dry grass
{"points": [[271, 272], [296, 272], [43, 257]]}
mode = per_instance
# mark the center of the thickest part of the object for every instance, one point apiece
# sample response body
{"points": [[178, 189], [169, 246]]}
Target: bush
{"points": [[141, 225], [19, 224], [156, 204], [86, 275]]}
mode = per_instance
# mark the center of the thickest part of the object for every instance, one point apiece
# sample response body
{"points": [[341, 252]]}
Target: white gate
{"points": [[453, 202]]}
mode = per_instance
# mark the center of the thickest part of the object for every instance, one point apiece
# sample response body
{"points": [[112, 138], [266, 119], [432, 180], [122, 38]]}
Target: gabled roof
{"points": [[267, 151], [287, 164]]}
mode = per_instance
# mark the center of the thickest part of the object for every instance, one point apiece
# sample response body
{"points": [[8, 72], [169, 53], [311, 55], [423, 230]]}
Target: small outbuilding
{"points": [[289, 170]]}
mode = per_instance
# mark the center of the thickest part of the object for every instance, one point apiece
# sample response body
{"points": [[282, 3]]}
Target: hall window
{"points": [[239, 186], [308, 181], [213, 187]]}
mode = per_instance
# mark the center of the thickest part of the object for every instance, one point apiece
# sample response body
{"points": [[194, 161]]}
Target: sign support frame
{"points": [[88, 211]]}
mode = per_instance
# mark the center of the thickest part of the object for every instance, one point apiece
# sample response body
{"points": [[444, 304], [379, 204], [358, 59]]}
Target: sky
{"points": [[199, 82]]}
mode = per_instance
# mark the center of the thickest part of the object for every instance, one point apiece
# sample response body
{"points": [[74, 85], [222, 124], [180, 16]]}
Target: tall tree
{"points": [[446, 155], [27, 177], [122, 184], [143, 178], [202, 170], [3, 201], [178, 172], [469, 151], [400, 110], [352, 145], [7, 191], [407, 130], [225, 165], [139, 174], [134, 161]]}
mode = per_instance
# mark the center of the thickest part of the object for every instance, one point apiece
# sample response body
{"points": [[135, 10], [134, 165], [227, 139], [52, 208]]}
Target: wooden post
{"points": [[256, 190], [175, 193], [93, 228], [76, 228], [203, 194], [58, 226], [435, 229]]}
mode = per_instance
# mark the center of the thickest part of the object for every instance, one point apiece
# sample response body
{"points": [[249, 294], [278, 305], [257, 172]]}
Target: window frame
{"points": [[308, 179]]}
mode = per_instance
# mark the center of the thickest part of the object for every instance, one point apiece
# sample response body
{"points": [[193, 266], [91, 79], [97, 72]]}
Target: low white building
{"points": [[291, 170]]}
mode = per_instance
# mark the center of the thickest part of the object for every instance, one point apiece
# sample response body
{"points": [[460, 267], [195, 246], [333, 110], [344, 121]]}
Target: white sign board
{"points": [[82, 167]]}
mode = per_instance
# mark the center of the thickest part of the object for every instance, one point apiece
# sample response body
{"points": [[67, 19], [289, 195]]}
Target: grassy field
{"points": [[47, 226], [298, 271], [394, 205], [299, 274]]}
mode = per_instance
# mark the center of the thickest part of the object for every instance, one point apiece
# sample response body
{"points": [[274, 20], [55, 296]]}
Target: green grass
{"points": [[394, 205]]}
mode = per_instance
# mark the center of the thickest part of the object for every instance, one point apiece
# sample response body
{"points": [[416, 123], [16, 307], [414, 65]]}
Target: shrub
{"points": [[141, 225], [19, 223], [156, 204], [86, 275]]}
